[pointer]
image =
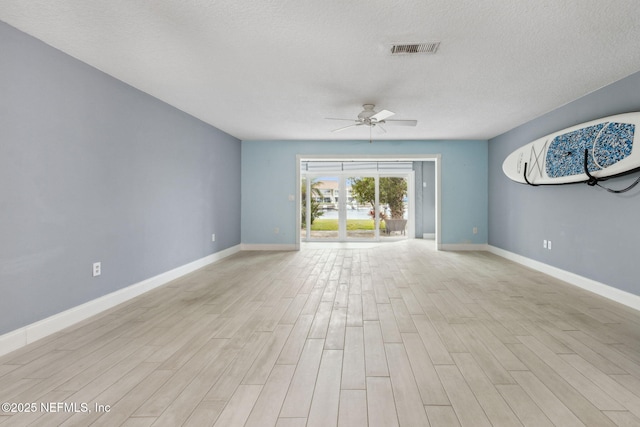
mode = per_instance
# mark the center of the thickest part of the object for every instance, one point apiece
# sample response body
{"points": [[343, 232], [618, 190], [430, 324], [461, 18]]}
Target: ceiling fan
{"points": [[373, 119]]}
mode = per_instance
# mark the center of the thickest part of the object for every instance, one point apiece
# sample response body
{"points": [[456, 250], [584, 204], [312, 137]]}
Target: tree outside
{"points": [[393, 191]]}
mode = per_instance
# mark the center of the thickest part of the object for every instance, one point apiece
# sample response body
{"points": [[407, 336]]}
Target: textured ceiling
{"points": [[275, 69]]}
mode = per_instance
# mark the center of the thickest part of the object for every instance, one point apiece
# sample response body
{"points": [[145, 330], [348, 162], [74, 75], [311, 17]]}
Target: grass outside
{"points": [[352, 224]]}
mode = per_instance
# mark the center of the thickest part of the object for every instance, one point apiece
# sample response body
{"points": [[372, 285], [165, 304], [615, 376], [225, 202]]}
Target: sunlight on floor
{"points": [[428, 243]]}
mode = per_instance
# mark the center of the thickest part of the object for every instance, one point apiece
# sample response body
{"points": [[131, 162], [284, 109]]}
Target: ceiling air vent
{"points": [[412, 48]]}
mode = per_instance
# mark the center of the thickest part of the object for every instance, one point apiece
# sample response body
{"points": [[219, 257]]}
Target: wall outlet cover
{"points": [[97, 269]]}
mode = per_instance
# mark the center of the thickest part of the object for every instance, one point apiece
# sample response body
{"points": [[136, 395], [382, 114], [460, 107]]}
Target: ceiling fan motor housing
{"points": [[365, 115]]}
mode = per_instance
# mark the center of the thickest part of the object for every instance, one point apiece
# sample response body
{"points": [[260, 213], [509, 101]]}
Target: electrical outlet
{"points": [[475, 230], [549, 245], [213, 237], [97, 269], [276, 230], [544, 244]]}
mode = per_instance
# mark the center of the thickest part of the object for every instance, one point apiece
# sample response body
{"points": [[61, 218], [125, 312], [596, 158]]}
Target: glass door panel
{"points": [[360, 207], [394, 203], [320, 195]]}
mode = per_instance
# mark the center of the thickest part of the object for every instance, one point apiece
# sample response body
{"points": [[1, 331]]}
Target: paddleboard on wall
{"points": [[559, 158]]}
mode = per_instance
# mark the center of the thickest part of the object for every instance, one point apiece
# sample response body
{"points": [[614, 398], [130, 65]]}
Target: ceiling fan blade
{"points": [[333, 118], [346, 127], [380, 116], [401, 122]]}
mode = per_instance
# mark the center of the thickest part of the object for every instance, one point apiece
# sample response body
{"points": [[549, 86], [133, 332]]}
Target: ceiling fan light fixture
{"points": [[414, 48]]}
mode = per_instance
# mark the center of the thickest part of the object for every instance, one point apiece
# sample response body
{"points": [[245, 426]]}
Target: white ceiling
{"points": [[274, 69]]}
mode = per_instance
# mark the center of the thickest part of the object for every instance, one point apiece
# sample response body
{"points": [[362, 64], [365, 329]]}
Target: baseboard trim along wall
{"points": [[26, 335], [614, 294], [268, 247], [463, 247]]}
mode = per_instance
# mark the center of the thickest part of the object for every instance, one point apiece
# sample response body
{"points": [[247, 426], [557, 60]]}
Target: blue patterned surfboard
{"points": [[606, 144], [559, 158]]}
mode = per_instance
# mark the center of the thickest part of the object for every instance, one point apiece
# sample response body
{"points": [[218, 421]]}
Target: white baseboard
{"points": [[463, 247], [269, 247], [26, 335], [429, 236], [614, 294]]}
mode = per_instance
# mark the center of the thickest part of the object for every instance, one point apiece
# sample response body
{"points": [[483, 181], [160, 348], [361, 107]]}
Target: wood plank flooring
{"points": [[391, 335]]}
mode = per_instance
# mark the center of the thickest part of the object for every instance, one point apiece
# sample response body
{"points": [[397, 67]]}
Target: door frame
{"points": [[436, 158]]}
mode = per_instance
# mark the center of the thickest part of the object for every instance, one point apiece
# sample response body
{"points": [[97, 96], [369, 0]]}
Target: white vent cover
{"points": [[413, 48]]}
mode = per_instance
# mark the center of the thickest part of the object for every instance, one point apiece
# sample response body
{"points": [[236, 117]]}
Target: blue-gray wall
{"points": [[269, 177], [94, 170], [594, 233]]}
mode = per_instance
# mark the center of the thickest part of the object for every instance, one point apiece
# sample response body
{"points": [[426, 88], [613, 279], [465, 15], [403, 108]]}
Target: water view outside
{"points": [[359, 213]]}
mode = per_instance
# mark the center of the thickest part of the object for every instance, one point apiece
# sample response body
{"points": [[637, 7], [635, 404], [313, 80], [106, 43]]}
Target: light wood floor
{"points": [[393, 335]]}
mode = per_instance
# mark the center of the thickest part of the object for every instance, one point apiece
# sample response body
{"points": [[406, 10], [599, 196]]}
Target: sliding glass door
{"points": [[331, 212], [356, 206]]}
